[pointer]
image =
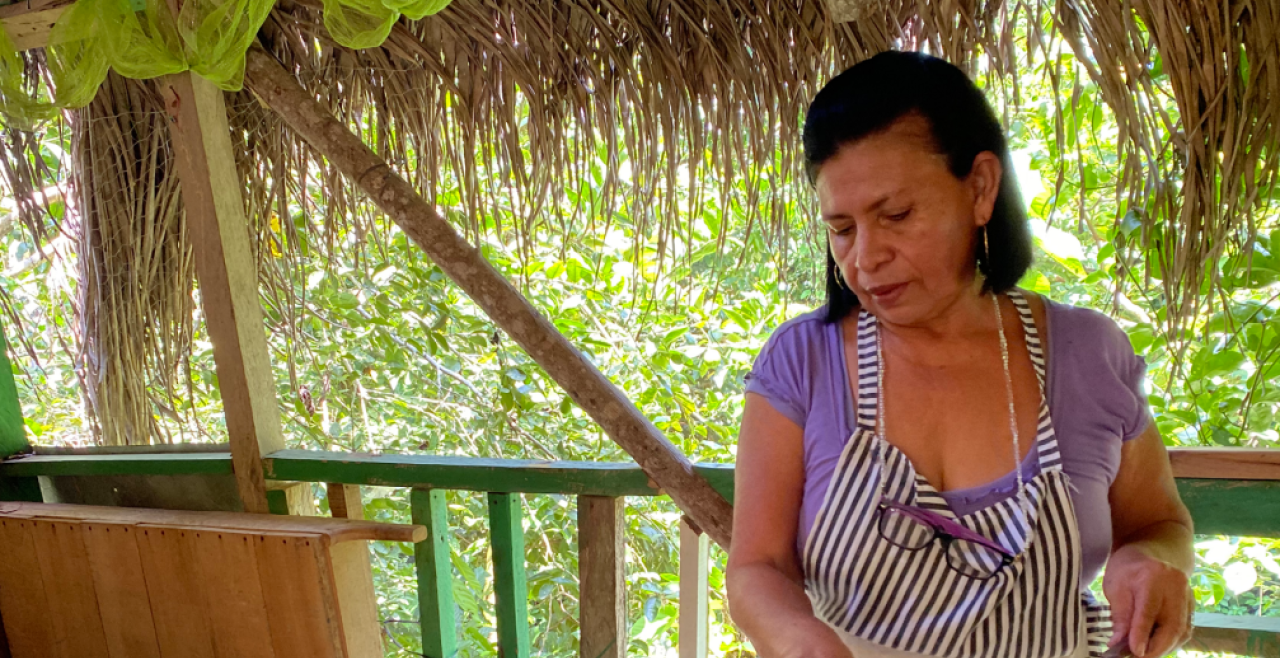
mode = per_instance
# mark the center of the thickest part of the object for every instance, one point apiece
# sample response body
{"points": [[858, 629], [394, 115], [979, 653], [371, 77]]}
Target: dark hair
{"points": [[873, 94]]}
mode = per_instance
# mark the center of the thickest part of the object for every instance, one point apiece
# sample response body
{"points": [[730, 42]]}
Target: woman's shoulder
{"points": [[1084, 331], [804, 327], [801, 336], [1089, 341], [790, 368]]}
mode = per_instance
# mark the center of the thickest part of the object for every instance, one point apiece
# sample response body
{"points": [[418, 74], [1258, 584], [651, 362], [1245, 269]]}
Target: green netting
{"points": [[142, 39]]}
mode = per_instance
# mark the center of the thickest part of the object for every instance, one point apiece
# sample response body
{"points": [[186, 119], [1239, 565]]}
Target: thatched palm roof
{"points": [[503, 100]]}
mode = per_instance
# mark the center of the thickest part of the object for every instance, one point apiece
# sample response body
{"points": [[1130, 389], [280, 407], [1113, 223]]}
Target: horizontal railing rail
{"points": [[1229, 491]]}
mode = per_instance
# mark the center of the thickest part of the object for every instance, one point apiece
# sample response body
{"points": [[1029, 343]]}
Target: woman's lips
{"points": [[886, 295]]}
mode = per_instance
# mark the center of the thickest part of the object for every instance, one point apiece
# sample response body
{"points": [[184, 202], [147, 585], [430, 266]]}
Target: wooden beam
{"points": [[344, 501], [695, 589], [471, 473], [464, 264], [602, 579], [1225, 463], [1249, 508], [227, 275], [30, 23], [1243, 635]]}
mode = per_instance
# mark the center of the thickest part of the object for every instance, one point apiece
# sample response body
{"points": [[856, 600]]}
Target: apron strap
{"points": [[867, 397], [1046, 440]]}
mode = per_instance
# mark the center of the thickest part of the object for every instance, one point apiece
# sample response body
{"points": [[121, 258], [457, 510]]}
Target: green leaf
{"points": [[344, 300], [1035, 282], [1222, 363]]}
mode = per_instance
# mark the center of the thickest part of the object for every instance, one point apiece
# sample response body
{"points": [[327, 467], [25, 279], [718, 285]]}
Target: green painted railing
{"points": [[1249, 507]]}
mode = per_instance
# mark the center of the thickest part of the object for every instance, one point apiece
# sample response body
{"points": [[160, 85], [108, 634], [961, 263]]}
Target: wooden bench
{"points": [[88, 582]]}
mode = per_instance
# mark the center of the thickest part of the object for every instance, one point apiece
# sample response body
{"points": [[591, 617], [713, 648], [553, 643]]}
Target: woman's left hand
{"points": [[1151, 602]]}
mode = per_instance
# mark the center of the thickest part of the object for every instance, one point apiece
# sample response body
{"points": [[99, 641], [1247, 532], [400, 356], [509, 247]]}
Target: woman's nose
{"points": [[869, 251]]}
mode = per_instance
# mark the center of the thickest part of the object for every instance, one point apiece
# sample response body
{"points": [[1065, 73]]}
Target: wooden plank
{"points": [[226, 566], [1225, 463], [345, 502], [477, 474], [178, 603], [435, 575], [68, 583], [30, 23], [301, 601], [695, 613], [602, 591], [1248, 508], [121, 587], [227, 274], [462, 262], [1242, 635], [126, 464], [338, 530], [25, 607], [510, 585], [357, 603]]}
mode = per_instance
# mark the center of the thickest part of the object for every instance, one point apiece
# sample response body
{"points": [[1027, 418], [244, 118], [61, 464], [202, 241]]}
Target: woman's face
{"points": [[902, 227]]}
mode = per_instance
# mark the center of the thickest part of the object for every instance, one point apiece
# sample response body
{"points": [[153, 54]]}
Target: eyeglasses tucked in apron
{"points": [[896, 573]]}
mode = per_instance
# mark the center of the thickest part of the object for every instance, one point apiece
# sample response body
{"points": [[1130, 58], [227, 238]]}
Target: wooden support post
{"points": [[278, 89], [30, 23], [602, 586], [345, 502], [357, 602], [694, 590], [228, 276], [510, 587], [435, 575]]}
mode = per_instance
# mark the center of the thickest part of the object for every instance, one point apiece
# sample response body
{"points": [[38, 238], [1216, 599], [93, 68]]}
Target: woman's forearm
{"points": [[1167, 541], [774, 612]]}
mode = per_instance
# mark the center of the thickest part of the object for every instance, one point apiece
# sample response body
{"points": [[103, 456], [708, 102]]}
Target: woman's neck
{"points": [[943, 338]]}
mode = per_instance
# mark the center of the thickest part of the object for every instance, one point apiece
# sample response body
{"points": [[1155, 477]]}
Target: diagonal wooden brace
{"points": [[279, 90]]}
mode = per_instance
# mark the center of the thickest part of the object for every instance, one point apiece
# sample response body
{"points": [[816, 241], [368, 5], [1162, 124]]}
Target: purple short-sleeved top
{"points": [[1096, 401]]}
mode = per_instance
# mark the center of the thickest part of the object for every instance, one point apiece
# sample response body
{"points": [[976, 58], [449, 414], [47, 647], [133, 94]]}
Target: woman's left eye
{"points": [[897, 217]]}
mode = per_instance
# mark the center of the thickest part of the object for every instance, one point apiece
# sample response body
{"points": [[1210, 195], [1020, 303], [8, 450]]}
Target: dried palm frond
{"points": [[136, 264], [501, 110], [1197, 178]]}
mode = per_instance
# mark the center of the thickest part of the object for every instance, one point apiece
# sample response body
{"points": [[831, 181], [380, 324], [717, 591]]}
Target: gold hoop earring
{"points": [[986, 248]]}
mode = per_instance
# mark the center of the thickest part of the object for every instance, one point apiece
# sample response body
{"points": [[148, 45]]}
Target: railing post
{"points": [[435, 575], [345, 502], [511, 589], [694, 589], [602, 594]]}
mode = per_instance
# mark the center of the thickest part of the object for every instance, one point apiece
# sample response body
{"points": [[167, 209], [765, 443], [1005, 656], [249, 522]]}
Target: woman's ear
{"points": [[984, 183]]}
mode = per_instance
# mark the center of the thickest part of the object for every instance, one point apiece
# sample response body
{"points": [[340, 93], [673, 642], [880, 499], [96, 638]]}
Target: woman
{"points": [[936, 463]]}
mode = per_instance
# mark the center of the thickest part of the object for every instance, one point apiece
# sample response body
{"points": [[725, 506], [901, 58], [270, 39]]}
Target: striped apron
{"points": [[888, 601]]}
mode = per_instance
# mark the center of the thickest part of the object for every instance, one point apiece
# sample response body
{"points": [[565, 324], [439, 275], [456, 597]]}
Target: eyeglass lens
{"points": [[968, 558]]}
